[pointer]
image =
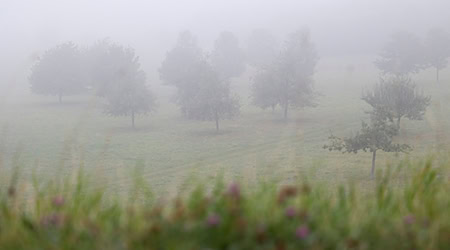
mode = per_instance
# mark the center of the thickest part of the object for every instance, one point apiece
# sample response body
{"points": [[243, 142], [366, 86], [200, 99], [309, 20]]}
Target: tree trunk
{"points": [[132, 119], [372, 171], [437, 74], [217, 125], [216, 118], [398, 122], [286, 106]]}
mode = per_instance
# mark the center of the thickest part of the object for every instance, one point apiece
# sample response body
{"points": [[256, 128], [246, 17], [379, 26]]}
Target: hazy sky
{"points": [[28, 27]]}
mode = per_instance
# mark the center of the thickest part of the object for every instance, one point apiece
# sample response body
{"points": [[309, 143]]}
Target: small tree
{"points": [[128, 94], [437, 49], [289, 81], [402, 55], [227, 58], [264, 90], [396, 97], [372, 137], [211, 99], [178, 68], [262, 48], [59, 72]]}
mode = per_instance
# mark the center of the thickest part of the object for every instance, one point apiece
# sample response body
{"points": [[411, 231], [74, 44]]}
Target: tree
{"points": [[211, 98], [59, 72], [180, 68], [372, 137], [108, 63], [128, 94], [396, 97], [227, 58], [437, 46], [291, 76], [261, 49], [264, 90], [402, 55]]}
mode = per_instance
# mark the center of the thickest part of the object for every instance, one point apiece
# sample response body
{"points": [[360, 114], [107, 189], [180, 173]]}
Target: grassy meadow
{"points": [[50, 139]]}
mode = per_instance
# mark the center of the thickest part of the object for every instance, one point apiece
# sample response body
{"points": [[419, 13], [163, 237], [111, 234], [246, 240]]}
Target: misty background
{"points": [[338, 28]]}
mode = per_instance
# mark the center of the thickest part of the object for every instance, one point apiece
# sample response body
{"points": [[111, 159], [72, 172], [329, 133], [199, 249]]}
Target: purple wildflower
{"points": [[58, 201], [213, 220], [234, 190], [290, 212], [302, 232], [409, 219], [54, 219]]}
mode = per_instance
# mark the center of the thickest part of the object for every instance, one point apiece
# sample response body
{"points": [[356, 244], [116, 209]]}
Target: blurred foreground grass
{"points": [[407, 207]]}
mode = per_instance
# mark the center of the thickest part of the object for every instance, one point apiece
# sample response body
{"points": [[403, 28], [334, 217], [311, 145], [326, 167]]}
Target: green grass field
{"points": [[52, 139]]}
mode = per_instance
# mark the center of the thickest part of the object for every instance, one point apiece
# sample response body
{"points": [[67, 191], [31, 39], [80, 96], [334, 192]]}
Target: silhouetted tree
{"points": [[127, 93], [396, 97], [59, 72], [211, 98], [227, 58], [264, 90], [377, 135], [402, 55], [180, 68], [262, 48], [290, 78], [108, 64], [437, 49]]}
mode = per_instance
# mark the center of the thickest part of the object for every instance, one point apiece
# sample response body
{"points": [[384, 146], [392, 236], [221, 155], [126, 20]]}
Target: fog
{"points": [[338, 27]]}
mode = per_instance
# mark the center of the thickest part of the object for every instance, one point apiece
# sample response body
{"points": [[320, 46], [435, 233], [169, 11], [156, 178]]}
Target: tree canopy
{"points": [[288, 82], [396, 97], [202, 93], [59, 72], [437, 47], [373, 136], [127, 93], [212, 99], [227, 58], [402, 55]]}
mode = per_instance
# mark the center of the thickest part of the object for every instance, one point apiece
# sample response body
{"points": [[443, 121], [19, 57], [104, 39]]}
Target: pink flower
{"points": [[213, 220], [58, 201], [54, 219], [302, 232], [234, 190], [409, 219], [290, 212]]}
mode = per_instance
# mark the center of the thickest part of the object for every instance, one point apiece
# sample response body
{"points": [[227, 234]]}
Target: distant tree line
{"points": [[406, 54], [284, 77], [113, 71]]}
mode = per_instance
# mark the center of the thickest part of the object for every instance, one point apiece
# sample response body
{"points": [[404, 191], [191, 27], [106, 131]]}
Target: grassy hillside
{"points": [[53, 139]]}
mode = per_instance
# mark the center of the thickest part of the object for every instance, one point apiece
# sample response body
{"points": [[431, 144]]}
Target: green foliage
{"points": [[289, 81], [178, 68], [126, 91], [227, 58], [59, 72], [76, 215], [377, 135], [437, 48], [402, 55], [397, 97], [202, 93]]}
